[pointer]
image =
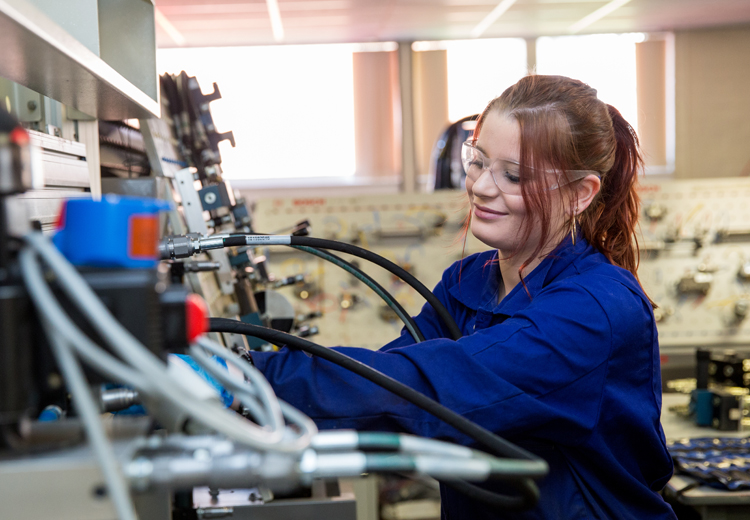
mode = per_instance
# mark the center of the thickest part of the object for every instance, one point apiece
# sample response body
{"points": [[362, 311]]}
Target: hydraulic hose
{"points": [[320, 243], [387, 297], [494, 443]]}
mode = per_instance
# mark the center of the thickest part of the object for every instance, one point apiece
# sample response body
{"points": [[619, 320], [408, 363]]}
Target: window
{"points": [[290, 107], [478, 70], [604, 61]]}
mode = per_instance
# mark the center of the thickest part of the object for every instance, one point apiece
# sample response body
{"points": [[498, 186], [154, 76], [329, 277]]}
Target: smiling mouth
{"points": [[488, 210]]}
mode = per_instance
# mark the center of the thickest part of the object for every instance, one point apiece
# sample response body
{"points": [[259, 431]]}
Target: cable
{"points": [[91, 353], [76, 382], [236, 240], [166, 386], [247, 398], [386, 264], [493, 442], [408, 321], [261, 388], [253, 374]]}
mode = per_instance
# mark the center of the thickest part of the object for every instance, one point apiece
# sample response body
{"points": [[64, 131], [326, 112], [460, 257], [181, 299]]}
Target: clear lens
{"points": [[505, 174]]}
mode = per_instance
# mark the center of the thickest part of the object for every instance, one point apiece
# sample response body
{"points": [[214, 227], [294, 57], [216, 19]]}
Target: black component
{"points": [[216, 196], [702, 358], [177, 270], [218, 221], [728, 369], [17, 322], [153, 313], [495, 444], [306, 331], [182, 506], [290, 280], [301, 229], [407, 277], [193, 123], [16, 375], [174, 318], [727, 411], [241, 215], [133, 298]]}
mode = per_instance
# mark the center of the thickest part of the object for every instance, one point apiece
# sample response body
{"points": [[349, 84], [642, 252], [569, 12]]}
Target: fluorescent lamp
{"points": [[596, 15], [275, 15], [170, 29], [491, 18]]}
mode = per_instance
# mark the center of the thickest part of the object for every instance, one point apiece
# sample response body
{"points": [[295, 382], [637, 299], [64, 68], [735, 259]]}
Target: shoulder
{"points": [[614, 290]]}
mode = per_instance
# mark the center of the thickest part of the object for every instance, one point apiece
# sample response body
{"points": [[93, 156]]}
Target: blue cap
{"points": [[116, 231]]}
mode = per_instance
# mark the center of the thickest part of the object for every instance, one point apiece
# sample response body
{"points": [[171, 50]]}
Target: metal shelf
{"points": [[40, 55]]}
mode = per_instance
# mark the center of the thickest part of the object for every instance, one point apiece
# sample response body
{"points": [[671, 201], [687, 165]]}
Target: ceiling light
{"points": [[491, 18], [168, 28], [596, 15], [275, 14]]}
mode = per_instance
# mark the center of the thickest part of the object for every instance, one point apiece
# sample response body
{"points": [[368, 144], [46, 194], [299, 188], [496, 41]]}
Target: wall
{"points": [[430, 83], [376, 119], [650, 59], [712, 96]]}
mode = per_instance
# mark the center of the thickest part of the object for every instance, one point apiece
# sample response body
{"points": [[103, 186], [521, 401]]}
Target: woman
{"points": [[559, 353]]}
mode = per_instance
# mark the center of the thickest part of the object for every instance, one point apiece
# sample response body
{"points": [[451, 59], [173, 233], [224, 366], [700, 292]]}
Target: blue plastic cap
{"points": [[116, 231]]}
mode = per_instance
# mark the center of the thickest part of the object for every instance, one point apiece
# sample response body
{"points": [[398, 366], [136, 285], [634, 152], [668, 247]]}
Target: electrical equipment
{"points": [[417, 231]]}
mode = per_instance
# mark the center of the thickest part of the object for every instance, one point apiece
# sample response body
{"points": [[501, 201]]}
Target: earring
{"points": [[573, 227]]}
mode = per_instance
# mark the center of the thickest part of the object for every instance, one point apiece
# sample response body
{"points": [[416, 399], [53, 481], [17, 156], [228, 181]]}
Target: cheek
{"points": [[469, 185], [515, 206]]}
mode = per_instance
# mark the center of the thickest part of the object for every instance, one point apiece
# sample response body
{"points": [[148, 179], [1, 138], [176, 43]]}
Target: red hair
{"points": [[564, 127]]}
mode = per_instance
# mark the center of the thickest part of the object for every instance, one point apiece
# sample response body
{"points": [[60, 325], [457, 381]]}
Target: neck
{"points": [[509, 271], [510, 266]]}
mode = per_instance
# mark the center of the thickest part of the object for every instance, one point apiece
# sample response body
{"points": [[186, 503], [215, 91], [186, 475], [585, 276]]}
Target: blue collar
{"points": [[483, 278]]}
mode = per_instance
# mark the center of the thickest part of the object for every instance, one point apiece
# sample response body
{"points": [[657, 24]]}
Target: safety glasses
{"points": [[507, 174]]}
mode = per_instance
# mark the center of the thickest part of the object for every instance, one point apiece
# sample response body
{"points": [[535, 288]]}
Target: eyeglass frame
{"points": [[471, 143]]}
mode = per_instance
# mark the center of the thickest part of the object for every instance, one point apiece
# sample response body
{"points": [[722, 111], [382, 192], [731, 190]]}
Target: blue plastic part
{"points": [[51, 413], [225, 396], [702, 407], [98, 233]]}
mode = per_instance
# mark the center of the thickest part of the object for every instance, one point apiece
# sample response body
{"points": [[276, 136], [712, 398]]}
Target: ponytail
{"points": [[611, 224]]}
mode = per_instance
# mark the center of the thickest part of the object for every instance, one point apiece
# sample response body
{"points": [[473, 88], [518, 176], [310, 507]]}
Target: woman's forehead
{"points": [[500, 136]]}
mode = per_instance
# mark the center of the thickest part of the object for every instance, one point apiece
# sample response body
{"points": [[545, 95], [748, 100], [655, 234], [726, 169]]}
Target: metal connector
{"points": [[179, 246]]}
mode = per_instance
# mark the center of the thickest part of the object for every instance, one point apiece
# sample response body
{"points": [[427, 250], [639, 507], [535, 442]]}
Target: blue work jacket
{"points": [[568, 370]]}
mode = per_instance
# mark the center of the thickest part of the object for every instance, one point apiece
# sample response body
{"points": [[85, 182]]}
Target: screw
{"points": [[99, 492]]}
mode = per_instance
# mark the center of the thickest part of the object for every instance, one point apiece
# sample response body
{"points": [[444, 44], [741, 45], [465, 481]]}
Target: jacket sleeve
{"points": [[428, 320], [542, 370]]}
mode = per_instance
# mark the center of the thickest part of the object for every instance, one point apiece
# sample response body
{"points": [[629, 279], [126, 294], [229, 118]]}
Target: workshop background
{"points": [[340, 119]]}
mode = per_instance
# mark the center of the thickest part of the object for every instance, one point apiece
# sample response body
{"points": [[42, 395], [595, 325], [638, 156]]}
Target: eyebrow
{"points": [[476, 145]]}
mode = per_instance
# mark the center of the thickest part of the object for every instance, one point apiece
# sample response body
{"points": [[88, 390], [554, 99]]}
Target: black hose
{"points": [[529, 494], [236, 240], [389, 266], [372, 284], [491, 441]]}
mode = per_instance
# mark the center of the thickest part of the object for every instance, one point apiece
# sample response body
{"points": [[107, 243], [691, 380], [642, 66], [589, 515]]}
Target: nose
{"points": [[484, 186]]}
